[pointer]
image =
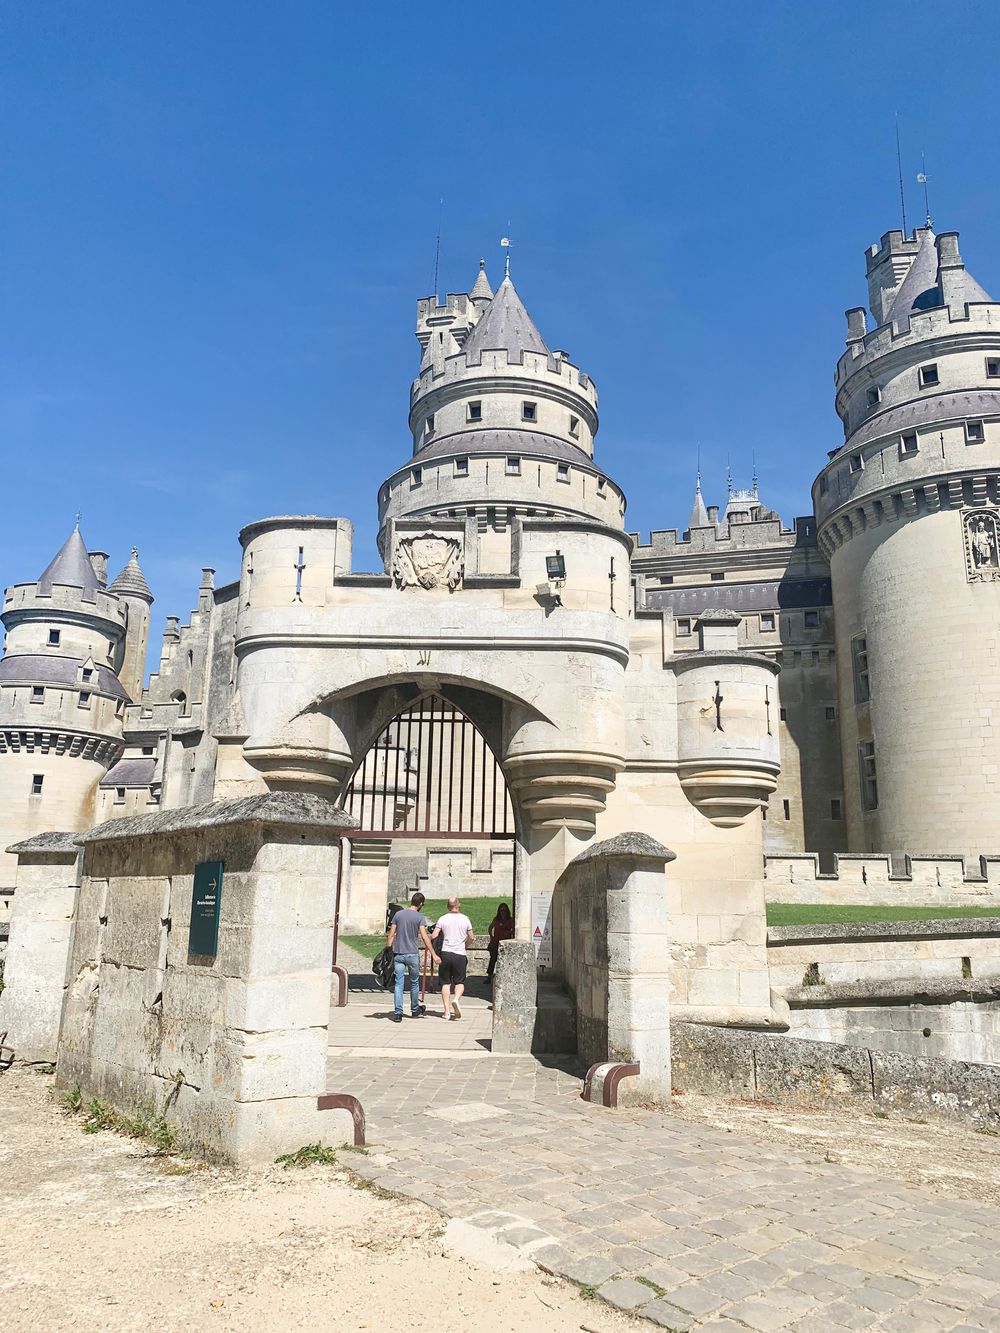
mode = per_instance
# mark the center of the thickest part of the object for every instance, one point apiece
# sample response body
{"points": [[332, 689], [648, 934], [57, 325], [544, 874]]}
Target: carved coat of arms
{"points": [[428, 560]]}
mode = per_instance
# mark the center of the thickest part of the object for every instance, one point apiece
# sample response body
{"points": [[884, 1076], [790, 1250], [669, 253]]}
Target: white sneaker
{"points": [[456, 1009], [446, 1017]]}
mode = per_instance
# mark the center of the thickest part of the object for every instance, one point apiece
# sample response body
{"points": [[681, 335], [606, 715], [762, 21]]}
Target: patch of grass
{"points": [[145, 1123], [653, 1286], [588, 1292], [822, 914], [308, 1155], [480, 912], [989, 1131], [881, 1115], [72, 1100], [45, 1069], [367, 945]]}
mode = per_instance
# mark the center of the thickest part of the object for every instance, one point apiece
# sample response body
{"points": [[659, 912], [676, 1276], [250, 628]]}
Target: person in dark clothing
{"points": [[501, 928]]}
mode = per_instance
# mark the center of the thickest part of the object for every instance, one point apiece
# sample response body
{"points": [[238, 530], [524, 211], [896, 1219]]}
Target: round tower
{"points": [[501, 425], [908, 512], [61, 702], [132, 590]]}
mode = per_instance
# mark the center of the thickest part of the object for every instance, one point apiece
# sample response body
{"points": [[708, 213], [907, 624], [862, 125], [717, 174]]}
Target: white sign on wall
{"points": [[541, 906]]}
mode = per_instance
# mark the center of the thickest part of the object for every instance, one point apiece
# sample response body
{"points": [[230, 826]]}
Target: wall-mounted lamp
{"points": [[555, 569]]}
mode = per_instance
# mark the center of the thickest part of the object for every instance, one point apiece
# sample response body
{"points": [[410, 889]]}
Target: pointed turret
{"points": [[505, 327], [131, 580], [699, 514], [70, 565], [132, 590], [481, 289]]}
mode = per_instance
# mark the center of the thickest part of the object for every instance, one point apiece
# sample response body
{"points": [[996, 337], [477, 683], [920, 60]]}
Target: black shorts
{"points": [[453, 969]]}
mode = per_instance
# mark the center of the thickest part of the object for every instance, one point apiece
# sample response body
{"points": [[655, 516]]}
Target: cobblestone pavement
{"points": [[688, 1226]]}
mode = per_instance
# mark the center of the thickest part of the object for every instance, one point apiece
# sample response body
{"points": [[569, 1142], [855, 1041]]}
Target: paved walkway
{"points": [[688, 1226]]}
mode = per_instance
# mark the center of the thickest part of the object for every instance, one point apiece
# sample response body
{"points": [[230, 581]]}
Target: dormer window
{"points": [[416, 477], [475, 411], [683, 628], [86, 673], [54, 636], [929, 376], [574, 427], [513, 468], [461, 467], [529, 411], [562, 472], [38, 694], [874, 396], [975, 432], [857, 463], [907, 443]]}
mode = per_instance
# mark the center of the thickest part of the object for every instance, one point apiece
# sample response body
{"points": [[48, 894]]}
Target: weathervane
{"points": [[506, 243], [922, 179]]}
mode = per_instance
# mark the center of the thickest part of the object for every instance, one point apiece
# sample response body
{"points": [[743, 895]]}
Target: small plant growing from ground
{"points": [[146, 1122], [881, 1115], [588, 1292], [308, 1155], [72, 1100], [653, 1286], [989, 1130]]}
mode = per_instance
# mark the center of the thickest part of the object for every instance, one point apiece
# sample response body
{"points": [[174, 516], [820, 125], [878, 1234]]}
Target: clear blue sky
{"points": [[217, 219]]}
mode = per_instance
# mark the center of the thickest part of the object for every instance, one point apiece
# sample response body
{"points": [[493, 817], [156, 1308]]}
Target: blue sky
{"points": [[217, 219]]}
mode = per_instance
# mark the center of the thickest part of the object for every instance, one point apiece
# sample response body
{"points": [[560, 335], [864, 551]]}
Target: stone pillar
{"points": [[611, 946], [230, 1047], [514, 998], [39, 943]]}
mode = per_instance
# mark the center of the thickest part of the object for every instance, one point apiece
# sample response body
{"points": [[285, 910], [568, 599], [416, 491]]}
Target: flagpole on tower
{"points": [[505, 243]]}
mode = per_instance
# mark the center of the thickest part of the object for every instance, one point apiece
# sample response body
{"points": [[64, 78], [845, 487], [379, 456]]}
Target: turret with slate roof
{"points": [[132, 590], [503, 425]]}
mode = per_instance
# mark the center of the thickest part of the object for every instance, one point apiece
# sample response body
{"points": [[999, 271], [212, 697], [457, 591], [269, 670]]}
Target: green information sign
{"points": [[203, 940]]}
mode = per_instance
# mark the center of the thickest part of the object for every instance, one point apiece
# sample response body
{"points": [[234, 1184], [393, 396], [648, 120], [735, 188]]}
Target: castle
{"points": [[737, 689]]}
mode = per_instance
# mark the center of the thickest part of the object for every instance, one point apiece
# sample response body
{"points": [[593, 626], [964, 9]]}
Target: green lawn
{"points": [[815, 914], [480, 912]]}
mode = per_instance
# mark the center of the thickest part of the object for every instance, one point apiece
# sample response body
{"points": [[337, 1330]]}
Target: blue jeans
{"points": [[407, 963]]}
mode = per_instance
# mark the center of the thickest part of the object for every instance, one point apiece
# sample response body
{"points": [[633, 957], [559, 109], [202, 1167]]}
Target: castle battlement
{"points": [[490, 365], [978, 319], [759, 535], [63, 597], [870, 878]]}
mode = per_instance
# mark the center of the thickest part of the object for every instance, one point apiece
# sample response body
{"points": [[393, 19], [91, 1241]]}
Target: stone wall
{"points": [[878, 880], [752, 1065], [232, 1048], [610, 947]]}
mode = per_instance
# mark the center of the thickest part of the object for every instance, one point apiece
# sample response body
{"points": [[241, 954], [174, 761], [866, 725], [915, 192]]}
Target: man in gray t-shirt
{"points": [[407, 932]]}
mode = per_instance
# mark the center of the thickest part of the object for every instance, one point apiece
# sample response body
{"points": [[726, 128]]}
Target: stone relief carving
{"points": [[428, 560], [982, 546]]}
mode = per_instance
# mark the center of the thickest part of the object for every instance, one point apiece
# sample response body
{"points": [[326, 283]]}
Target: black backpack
{"points": [[384, 967]]}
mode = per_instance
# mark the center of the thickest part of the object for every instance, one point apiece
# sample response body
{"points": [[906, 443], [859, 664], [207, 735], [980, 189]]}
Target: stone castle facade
{"points": [[739, 688]]}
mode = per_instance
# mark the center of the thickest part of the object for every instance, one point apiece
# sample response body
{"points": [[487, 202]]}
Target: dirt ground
{"points": [[955, 1160], [97, 1234]]}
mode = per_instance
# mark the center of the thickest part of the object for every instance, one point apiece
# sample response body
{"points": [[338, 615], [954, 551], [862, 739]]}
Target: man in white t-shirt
{"points": [[456, 933]]}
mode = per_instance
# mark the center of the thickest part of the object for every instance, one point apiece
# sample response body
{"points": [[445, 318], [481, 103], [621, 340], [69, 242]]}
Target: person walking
{"points": [[455, 930], [407, 931], [501, 928]]}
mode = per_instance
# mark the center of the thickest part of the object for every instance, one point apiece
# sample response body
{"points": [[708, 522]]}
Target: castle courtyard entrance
{"points": [[435, 816]]}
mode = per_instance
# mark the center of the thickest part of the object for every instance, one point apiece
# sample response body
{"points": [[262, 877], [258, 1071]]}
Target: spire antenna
{"points": [[78, 517], [922, 179], [899, 165], [437, 248], [506, 243]]}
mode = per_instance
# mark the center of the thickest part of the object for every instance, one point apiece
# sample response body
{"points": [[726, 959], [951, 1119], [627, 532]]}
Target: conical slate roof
{"points": [[918, 290], [71, 565], [481, 287], [131, 581], [699, 514], [506, 326]]}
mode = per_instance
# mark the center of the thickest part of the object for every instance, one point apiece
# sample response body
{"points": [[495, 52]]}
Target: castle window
{"points": [[929, 376], [836, 808], [562, 472], [429, 427], [830, 713], [666, 578], [767, 622], [38, 694], [974, 432], [783, 714], [54, 636], [36, 783], [119, 796], [86, 673], [859, 658], [461, 467], [683, 628], [84, 700], [824, 485], [147, 749], [867, 774], [718, 575], [574, 426], [907, 443], [993, 367], [475, 412], [529, 411], [416, 477], [513, 467], [874, 396], [602, 487], [857, 462], [786, 808], [811, 619]]}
